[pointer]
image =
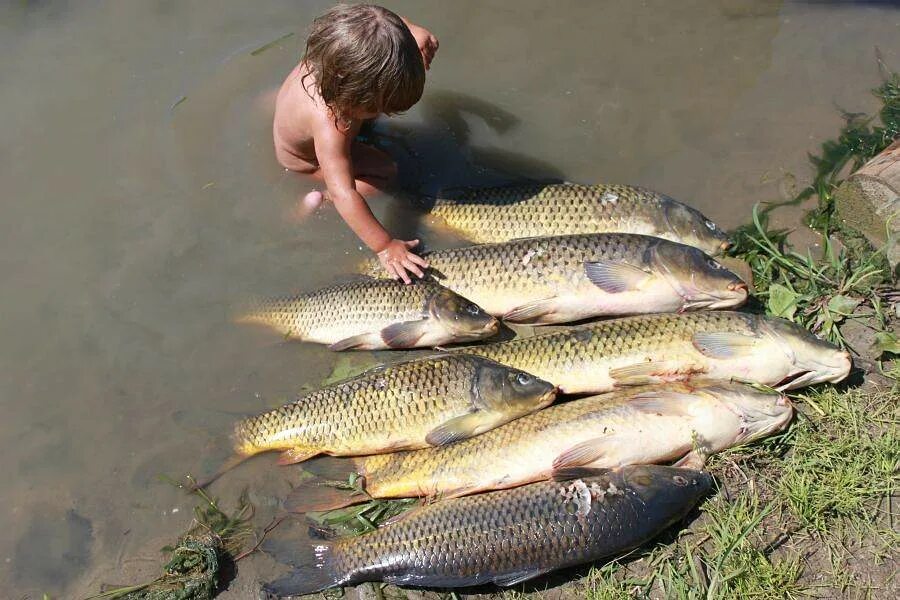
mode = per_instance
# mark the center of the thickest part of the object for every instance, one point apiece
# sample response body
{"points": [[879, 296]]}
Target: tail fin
{"points": [[312, 560], [323, 491], [229, 463]]}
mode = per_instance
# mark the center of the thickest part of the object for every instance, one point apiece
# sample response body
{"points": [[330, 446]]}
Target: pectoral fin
{"points": [[724, 345], [404, 335], [533, 312], [298, 454], [693, 460], [518, 577], [662, 403], [364, 341], [463, 427], [584, 453], [614, 277], [644, 373]]}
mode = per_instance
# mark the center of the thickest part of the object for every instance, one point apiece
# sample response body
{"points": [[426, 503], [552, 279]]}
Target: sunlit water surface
{"points": [[141, 202]]}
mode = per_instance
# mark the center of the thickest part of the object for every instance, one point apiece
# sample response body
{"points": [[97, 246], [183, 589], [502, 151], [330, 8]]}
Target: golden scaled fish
{"points": [[503, 537], [376, 314], [425, 402], [646, 349], [572, 277], [500, 214], [646, 425]]}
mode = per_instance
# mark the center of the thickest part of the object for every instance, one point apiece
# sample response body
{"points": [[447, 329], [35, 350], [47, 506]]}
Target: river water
{"points": [[141, 202]]}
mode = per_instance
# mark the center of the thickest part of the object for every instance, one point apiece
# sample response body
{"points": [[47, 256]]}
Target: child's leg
{"points": [[373, 171]]}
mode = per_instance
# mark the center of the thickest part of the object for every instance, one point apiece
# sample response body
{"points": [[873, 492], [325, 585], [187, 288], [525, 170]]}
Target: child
{"points": [[361, 61]]}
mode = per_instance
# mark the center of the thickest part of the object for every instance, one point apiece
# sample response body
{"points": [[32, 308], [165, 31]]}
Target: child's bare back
{"points": [[360, 62]]}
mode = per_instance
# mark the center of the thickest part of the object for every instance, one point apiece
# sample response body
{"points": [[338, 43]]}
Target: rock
{"points": [[869, 202]]}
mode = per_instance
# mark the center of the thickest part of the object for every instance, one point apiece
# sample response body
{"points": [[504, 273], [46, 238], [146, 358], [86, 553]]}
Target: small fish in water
{"points": [[567, 278], [648, 349], [503, 538], [376, 314], [640, 425], [427, 402], [501, 214]]}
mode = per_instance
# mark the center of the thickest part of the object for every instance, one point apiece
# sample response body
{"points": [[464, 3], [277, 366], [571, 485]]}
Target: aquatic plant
{"points": [[196, 560]]}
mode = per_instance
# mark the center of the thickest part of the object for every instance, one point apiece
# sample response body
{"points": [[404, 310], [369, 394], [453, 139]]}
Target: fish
{"points": [[430, 401], [560, 279], [504, 537], [599, 357], [376, 314], [501, 214], [650, 424]]}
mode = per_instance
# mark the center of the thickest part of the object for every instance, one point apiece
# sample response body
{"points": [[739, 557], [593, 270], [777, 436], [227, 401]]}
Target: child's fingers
{"points": [[403, 275], [413, 268], [418, 260]]}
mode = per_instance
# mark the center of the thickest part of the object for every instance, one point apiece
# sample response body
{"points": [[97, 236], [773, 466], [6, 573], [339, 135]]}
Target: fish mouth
{"points": [[817, 373], [737, 294]]}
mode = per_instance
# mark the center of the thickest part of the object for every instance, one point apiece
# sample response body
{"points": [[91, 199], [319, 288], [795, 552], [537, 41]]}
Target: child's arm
{"points": [[333, 153], [425, 40]]}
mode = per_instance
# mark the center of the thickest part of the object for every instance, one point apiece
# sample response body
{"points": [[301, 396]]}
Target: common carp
{"points": [[375, 314], [500, 214], [503, 537], [572, 277], [632, 426], [415, 404], [647, 349]]}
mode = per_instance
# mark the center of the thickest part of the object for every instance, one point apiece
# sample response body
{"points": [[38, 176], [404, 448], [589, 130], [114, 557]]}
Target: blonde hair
{"points": [[364, 57]]}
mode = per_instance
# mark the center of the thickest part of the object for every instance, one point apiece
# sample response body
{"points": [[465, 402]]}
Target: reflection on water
{"points": [[132, 222]]}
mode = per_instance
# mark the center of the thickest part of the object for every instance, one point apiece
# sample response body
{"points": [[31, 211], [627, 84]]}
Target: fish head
{"points": [[667, 485], [813, 359], [759, 412], [699, 279], [461, 317], [692, 228], [500, 388]]}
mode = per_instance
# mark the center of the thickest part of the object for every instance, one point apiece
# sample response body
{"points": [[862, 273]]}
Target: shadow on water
{"points": [[437, 154]]}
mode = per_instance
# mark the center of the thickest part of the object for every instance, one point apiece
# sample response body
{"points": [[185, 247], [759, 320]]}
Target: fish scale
{"points": [[579, 359], [504, 213], [393, 407], [504, 537], [549, 279], [380, 302], [526, 449]]}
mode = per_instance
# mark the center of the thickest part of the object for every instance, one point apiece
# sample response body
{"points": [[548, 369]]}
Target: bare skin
{"points": [[308, 141]]}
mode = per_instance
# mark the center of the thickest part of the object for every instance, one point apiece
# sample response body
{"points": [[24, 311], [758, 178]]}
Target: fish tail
{"points": [[313, 561], [323, 491], [229, 463], [242, 448]]}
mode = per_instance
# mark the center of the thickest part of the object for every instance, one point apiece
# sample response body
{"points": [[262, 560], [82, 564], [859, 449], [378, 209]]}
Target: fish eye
{"points": [[679, 481], [472, 309], [709, 224], [523, 378]]}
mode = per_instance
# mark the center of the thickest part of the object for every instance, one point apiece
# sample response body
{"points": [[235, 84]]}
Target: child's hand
{"points": [[397, 260], [428, 44]]}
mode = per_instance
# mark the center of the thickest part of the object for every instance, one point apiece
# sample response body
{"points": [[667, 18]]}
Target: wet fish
{"points": [[568, 278], [500, 214], [503, 537], [375, 314], [431, 401], [652, 424], [654, 348]]}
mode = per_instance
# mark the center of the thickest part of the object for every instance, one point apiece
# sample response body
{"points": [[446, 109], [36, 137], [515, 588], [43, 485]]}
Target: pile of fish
{"points": [[513, 487]]}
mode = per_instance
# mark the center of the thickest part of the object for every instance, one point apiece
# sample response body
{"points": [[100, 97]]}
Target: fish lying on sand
{"points": [[416, 404], [503, 537], [646, 425], [647, 349], [572, 277], [375, 314], [500, 214]]}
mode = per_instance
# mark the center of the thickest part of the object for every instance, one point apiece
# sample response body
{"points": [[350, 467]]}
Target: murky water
{"points": [[141, 201]]}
